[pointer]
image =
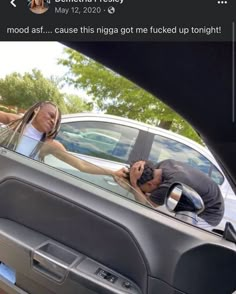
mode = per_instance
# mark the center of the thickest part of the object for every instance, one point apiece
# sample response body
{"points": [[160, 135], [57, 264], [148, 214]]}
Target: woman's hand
{"points": [[122, 173]]}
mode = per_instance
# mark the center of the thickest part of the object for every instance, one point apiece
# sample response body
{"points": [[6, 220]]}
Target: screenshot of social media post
{"points": [[124, 86], [117, 20]]}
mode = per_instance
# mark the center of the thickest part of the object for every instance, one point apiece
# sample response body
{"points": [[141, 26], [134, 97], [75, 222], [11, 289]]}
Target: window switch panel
{"points": [[106, 275]]}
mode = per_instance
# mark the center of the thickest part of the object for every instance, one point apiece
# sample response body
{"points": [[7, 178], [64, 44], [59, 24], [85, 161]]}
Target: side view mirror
{"points": [[185, 202]]}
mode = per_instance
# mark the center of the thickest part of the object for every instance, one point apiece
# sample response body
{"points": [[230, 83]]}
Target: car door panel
{"points": [[29, 251], [68, 224], [7, 287], [136, 244]]}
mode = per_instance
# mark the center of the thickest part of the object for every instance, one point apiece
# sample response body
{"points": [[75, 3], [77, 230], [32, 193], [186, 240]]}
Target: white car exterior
{"points": [[140, 141]]}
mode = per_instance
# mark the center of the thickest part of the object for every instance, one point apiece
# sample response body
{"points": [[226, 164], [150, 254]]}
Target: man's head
{"points": [[150, 178]]}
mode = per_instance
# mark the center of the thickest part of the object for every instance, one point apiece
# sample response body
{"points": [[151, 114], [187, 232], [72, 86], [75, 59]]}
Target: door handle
{"points": [[49, 266]]}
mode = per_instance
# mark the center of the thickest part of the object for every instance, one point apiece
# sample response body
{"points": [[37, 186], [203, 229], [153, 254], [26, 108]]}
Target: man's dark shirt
{"points": [[175, 171]]}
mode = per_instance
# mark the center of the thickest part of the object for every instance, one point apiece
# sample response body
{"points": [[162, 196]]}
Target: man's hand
{"points": [[136, 172]]}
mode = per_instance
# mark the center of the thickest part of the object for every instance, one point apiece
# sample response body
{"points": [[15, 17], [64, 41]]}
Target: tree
{"points": [[116, 95], [75, 104], [24, 90]]}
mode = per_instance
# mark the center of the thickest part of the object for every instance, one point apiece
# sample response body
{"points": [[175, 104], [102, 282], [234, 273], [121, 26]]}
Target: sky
{"points": [[22, 57]]}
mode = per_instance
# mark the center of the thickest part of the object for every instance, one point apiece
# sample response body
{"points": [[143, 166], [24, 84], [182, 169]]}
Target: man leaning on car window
{"points": [[152, 181]]}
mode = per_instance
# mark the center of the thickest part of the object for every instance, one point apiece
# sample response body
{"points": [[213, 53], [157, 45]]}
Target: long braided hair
{"points": [[11, 134]]}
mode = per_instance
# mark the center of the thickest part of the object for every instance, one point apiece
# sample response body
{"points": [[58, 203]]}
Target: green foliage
{"points": [[116, 95], [180, 126], [23, 91], [74, 104]]}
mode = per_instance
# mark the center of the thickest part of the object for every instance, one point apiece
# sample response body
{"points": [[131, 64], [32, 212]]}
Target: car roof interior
{"points": [[193, 78]]}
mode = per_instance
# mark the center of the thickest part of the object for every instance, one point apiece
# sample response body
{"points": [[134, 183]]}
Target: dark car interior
{"points": [[63, 235]]}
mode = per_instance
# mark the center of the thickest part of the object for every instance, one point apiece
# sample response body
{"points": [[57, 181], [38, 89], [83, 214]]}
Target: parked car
{"points": [[112, 142], [90, 140], [64, 234]]}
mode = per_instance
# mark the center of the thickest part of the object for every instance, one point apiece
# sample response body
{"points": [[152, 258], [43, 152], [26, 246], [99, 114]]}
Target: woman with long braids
{"points": [[25, 134], [40, 124]]}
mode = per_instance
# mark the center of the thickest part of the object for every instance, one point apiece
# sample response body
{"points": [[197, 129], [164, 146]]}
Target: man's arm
{"points": [[142, 198], [157, 197], [6, 117]]}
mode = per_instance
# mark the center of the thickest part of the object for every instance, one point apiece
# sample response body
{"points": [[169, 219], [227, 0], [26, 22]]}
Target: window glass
{"points": [[98, 139], [165, 148], [69, 163], [103, 181], [216, 176]]}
